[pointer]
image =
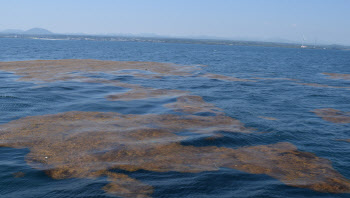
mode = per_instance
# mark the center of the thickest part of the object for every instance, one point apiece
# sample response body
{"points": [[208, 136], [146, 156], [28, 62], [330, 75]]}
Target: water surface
{"points": [[278, 100]]}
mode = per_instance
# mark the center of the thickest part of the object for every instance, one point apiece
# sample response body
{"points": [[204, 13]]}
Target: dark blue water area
{"points": [[270, 95]]}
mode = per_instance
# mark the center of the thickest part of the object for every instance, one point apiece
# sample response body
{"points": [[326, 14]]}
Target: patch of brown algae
{"points": [[322, 86], [267, 118], [287, 79], [193, 104], [224, 78], [136, 92], [54, 70], [338, 76], [145, 92], [66, 69], [75, 69], [92, 144], [333, 115]]}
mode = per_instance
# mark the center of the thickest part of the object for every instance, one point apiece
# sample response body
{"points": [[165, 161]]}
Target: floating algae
{"points": [[287, 79], [144, 93], [322, 86], [136, 92], [18, 174], [267, 118], [333, 115], [55, 70], [92, 144], [338, 76], [193, 104], [58, 70], [224, 78], [77, 70]]}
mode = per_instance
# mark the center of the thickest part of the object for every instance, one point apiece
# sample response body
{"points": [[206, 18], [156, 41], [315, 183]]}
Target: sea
{"points": [[286, 85]]}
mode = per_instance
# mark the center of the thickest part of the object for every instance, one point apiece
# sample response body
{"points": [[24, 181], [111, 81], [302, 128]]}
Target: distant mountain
{"points": [[37, 31], [34, 31]]}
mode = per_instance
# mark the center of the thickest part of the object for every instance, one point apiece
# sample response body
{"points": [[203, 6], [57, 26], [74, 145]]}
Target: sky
{"points": [[320, 21]]}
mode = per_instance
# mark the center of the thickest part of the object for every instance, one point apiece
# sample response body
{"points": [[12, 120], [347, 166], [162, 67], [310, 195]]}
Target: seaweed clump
{"points": [[338, 76], [41, 71], [57, 70], [267, 118], [92, 144], [193, 104], [224, 78], [140, 93], [322, 86], [70, 69], [333, 115]]}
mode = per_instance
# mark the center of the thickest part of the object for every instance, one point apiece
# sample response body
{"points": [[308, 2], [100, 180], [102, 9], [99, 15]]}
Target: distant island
{"points": [[44, 34], [33, 31]]}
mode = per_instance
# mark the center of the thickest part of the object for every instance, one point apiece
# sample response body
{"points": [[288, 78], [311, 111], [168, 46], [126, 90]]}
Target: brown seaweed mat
{"points": [[55, 70], [93, 144], [338, 76], [333, 115], [90, 144]]}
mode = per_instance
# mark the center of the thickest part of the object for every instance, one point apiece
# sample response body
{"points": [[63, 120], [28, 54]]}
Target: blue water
{"points": [[289, 102]]}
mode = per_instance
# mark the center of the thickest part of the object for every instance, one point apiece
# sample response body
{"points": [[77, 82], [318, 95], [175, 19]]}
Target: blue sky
{"points": [[326, 21]]}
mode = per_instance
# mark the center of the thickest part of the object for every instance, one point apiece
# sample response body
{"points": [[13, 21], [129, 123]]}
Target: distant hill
{"points": [[35, 31]]}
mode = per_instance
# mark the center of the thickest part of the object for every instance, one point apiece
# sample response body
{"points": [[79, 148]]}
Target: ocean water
{"points": [[283, 89]]}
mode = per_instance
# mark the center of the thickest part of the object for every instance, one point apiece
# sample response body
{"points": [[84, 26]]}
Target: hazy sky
{"points": [[322, 20]]}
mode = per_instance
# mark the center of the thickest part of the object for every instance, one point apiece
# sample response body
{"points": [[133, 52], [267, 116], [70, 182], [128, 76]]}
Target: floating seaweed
{"points": [[193, 104], [93, 144], [144, 93], [58, 70], [338, 76], [18, 174], [267, 118], [224, 78], [287, 79], [322, 86], [77, 70], [343, 140], [333, 115], [54, 70]]}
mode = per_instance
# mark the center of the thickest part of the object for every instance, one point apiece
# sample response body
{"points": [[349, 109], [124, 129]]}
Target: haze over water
{"points": [[324, 22]]}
